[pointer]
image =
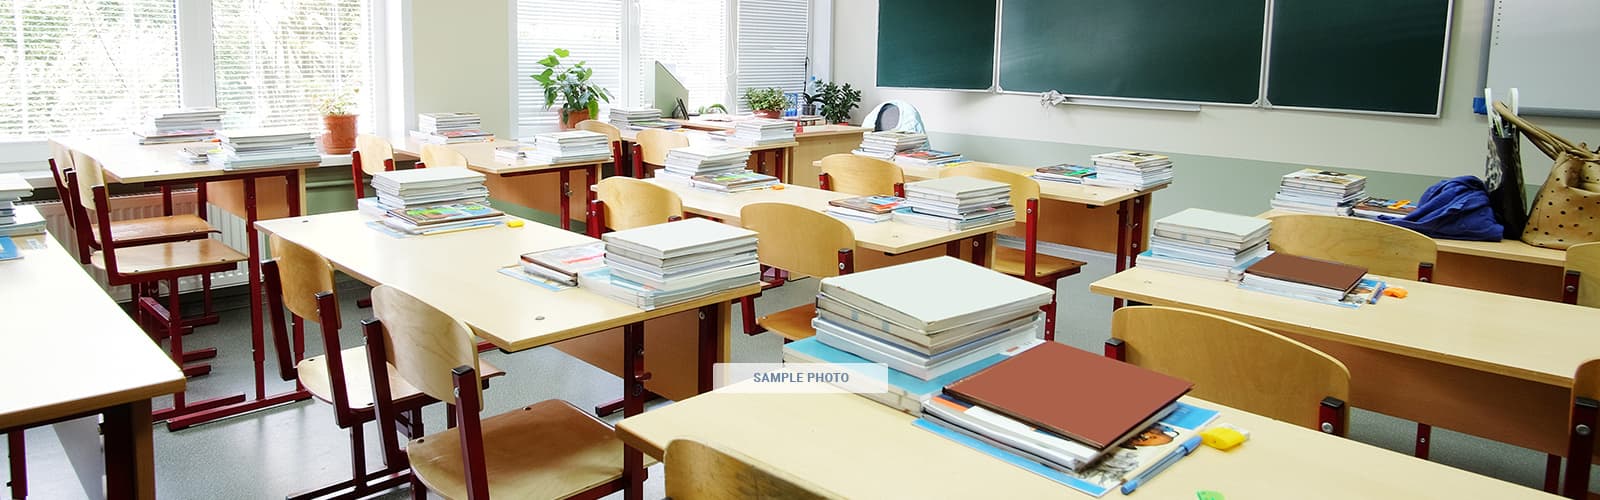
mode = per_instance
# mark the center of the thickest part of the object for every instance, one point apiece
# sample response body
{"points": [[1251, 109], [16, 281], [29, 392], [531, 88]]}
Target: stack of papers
{"points": [[927, 158], [562, 147], [884, 145], [256, 148], [686, 162], [1375, 208], [443, 218], [664, 264], [956, 203], [563, 265], [761, 131], [865, 208], [1131, 170], [179, 125], [639, 118], [450, 128], [733, 182], [1065, 172], [422, 187], [1322, 192], [17, 219], [1207, 244]]}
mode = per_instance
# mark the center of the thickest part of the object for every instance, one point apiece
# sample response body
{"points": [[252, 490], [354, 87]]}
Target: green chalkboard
{"points": [[1371, 55], [1205, 51], [941, 44]]}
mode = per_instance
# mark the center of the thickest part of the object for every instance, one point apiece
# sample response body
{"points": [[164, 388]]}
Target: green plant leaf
{"points": [[549, 62], [562, 52]]}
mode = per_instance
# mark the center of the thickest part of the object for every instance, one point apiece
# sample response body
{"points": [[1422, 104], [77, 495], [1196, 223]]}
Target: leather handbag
{"points": [[1566, 211]]}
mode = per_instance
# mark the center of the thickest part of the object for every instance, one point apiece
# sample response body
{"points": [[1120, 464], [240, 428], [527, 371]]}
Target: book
{"points": [[443, 214], [906, 392], [936, 294], [1373, 208], [917, 365], [955, 188], [1099, 401], [742, 180], [1065, 172], [918, 341], [1308, 271], [8, 249], [565, 263], [679, 238], [870, 204], [1214, 225]]}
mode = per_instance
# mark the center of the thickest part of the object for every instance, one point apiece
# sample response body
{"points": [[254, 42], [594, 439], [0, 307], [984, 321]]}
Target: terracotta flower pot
{"points": [[340, 137], [572, 119], [767, 113]]}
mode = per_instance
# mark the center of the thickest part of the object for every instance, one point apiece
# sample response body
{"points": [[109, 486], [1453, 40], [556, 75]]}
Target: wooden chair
{"points": [[653, 145], [613, 135], [798, 240], [1236, 364], [546, 450], [440, 155], [373, 154], [1026, 263], [860, 175], [1583, 275], [1581, 429], [1383, 249], [626, 203], [700, 471]]}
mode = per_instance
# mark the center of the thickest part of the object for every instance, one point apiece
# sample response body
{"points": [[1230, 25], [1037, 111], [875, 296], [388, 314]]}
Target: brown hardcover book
{"points": [[1096, 400], [1309, 271]]}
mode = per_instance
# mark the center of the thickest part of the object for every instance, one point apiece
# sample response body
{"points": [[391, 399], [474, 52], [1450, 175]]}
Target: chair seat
{"points": [[1010, 261], [792, 324], [548, 450], [156, 229], [313, 373], [165, 257]]}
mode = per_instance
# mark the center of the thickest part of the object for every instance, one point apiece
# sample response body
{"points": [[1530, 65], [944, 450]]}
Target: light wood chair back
{"points": [[1583, 275], [1233, 363], [1022, 187], [654, 143], [1581, 425], [1383, 249], [423, 343], [611, 131], [629, 203], [89, 176], [303, 275], [700, 471], [61, 161], [798, 239], [377, 155], [860, 175], [440, 155]]}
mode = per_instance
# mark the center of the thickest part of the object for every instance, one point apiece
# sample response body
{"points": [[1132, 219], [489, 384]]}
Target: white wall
{"points": [[1447, 146], [461, 60]]}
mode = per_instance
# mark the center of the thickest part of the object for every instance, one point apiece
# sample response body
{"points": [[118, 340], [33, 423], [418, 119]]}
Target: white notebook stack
{"points": [[450, 128], [566, 147], [686, 162], [17, 219], [1207, 244], [639, 118], [1134, 170], [761, 132], [422, 187], [664, 264], [956, 203], [884, 145], [268, 147], [930, 317], [179, 125], [1322, 192]]}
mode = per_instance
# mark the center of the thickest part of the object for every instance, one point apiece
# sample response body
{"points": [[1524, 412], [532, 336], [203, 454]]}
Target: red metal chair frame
{"points": [[747, 305], [1030, 262], [358, 175]]}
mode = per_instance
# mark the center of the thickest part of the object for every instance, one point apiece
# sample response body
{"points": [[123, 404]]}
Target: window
{"points": [[590, 29], [772, 50], [276, 59], [690, 37]]}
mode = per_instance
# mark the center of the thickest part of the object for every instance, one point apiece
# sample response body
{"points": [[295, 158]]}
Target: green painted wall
{"points": [[328, 190]]}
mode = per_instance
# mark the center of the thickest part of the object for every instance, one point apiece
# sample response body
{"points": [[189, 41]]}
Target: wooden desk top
{"points": [[703, 138], [67, 348], [861, 449], [801, 134], [1060, 191], [127, 162], [888, 236], [1512, 250], [1530, 339], [480, 157], [459, 273]]}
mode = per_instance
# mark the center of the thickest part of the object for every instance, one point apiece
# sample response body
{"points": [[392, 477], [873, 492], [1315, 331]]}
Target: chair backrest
{"points": [[631, 203], [376, 153], [89, 176], [1585, 412], [1381, 248], [797, 239], [60, 161], [611, 131], [654, 143], [1022, 187], [423, 343], [700, 471], [303, 274], [440, 155], [1233, 363], [1583, 275], [860, 175]]}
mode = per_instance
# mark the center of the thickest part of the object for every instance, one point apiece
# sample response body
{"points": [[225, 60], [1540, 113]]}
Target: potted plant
{"points": [[837, 101], [339, 122], [766, 103], [580, 99]]}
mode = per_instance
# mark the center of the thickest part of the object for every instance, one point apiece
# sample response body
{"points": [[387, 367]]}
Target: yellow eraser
{"points": [[514, 223], [1224, 436]]}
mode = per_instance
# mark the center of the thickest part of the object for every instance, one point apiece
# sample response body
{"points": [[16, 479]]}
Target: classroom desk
{"points": [[251, 194], [813, 142], [69, 351], [1495, 366], [519, 182], [857, 448], [1507, 266], [781, 153]]}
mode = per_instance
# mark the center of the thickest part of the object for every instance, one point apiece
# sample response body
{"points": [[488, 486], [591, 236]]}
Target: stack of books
{"points": [[1065, 172], [1310, 279], [559, 147], [563, 265], [761, 132], [927, 158], [884, 145], [246, 149], [442, 218], [1322, 192], [1134, 170], [1375, 208], [687, 162], [956, 203], [1207, 244], [450, 128], [733, 182], [664, 264], [180, 125], [865, 208], [639, 118], [16, 220], [423, 187]]}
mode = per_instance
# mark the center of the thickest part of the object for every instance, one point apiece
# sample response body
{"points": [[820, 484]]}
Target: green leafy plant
{"points": [[340, 104], [836, 100], [767, 99], [570, 83], [714, 109]]}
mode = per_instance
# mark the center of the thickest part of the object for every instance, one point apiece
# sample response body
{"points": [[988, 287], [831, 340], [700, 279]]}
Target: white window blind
{"points": [[84, 67], [689, 36], [590, 29], [773, 44], [276, 59]]}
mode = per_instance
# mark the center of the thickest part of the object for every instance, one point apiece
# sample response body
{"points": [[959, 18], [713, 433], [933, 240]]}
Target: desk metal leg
{"points": [[778, 164], [1122, 245], [1136, 237], [633, 377], [566, 200], [130, 457]]}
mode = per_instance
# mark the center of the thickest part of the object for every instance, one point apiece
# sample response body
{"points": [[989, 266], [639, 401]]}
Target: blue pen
{"points": [[1184, 449]]}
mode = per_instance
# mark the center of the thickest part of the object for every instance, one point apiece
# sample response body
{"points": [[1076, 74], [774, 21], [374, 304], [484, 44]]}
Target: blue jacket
{"points": [[1454, 209]]}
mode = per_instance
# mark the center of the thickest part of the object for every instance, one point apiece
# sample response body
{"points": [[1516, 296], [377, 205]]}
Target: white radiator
{"points": [[140, 206]]}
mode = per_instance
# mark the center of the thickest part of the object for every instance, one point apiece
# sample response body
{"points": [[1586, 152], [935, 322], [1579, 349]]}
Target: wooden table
{"points": [[781, 153], [69, 351], [861, 449], [1491, 365], [519, 182], [251, 194], [813, 142]]}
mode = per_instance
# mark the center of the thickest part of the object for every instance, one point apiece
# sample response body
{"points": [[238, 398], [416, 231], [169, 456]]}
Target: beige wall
{"points": [[461, 60], [1447, 146]]}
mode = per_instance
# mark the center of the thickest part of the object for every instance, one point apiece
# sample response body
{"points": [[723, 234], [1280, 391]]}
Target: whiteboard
{"points": [[1547, 49]]}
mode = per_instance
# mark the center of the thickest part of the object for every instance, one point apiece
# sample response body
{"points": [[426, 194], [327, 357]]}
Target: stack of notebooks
{"points": [[1206, 244], [884, 145], [16, 220], [422, 187], [563, 265], [442, 218], [1376, 208], [761, 132], [927, 158], [639, 118], [180, 125], [1065, 172], [1134, 170], [559, 147], [956, 203], [687, 162], [664, 264], [1323, 192], [450, 128], [246, 149], [865, 208], [1310, 279]]}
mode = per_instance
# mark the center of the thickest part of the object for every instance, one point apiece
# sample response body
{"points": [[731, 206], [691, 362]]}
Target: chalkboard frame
{"points": [[1444, 65]]}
